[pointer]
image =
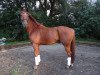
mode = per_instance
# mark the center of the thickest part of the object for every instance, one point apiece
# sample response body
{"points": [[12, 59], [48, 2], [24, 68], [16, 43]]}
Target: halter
{"points": [[25, 20]]}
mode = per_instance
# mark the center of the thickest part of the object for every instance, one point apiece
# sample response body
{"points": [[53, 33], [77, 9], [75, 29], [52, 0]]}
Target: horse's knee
{"points": [[36, 49], [69, 53], [36, 53], [68, 50]]}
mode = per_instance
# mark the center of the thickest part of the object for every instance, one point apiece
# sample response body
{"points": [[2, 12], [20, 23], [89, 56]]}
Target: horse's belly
{"points": [[47, 42], [50, 41], [50, 38]]}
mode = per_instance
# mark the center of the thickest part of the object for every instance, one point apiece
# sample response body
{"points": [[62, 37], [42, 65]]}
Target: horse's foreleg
{"points": [[37, 55]]}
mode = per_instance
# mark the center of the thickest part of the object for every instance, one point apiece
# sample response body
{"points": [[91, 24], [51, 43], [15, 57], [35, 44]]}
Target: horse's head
{"points": [[24, 17]]}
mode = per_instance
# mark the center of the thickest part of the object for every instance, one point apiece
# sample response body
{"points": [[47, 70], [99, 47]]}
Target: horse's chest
{"points": [[35, 38]]}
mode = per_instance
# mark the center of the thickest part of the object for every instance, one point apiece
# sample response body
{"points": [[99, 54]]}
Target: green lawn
{"points": [[78, 40], [87, 40], [17, 42]]}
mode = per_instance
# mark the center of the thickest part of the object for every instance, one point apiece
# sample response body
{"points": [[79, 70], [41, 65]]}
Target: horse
{"points": [[42, 35]]}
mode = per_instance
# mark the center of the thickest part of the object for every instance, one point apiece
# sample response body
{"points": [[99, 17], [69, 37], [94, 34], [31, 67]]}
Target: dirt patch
{"points": [[14, 46], [21, 61]]}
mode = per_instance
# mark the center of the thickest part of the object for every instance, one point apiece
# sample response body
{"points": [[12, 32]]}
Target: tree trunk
{"points": [[52, 2]]}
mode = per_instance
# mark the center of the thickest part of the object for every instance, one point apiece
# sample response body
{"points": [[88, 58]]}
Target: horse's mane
{"points": [[34, 20]]}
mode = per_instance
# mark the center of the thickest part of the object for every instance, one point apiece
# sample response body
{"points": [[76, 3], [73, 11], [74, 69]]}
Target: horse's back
{"points": [[65, 29]]}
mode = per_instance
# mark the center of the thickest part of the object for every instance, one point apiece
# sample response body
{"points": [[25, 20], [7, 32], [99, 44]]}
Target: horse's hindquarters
{"points": [[65, 34]]}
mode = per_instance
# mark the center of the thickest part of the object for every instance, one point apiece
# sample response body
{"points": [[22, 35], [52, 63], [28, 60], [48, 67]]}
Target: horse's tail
{"points": [[73, 45]]}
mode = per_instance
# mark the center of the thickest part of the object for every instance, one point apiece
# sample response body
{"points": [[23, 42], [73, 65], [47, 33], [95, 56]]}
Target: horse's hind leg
{"points": [[73, 46], [68, 50], [36, 54], [72, 56]]}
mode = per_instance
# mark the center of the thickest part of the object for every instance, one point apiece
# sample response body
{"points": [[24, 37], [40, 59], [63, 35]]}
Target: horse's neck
{"points": [[31, 27]]}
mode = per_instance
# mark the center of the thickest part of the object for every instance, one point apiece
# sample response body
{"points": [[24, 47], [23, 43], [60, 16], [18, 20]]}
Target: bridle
{"points": [[24, 21]]}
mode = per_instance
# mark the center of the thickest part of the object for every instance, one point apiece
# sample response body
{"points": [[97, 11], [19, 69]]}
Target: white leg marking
{"points": [[36, 61], [69, 61], [39, 59]]}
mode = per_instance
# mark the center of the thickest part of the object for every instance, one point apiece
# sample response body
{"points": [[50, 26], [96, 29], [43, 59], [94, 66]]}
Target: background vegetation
{"points": [[82, 15]]}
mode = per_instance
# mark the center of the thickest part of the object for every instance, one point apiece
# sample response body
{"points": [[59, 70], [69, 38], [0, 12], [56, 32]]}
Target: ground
{"points": [[20, 61]]}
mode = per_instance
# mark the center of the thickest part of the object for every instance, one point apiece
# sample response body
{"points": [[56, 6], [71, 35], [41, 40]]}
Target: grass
{"points": [[16, 42], [15, 71], [78, 40], [87, 40]]}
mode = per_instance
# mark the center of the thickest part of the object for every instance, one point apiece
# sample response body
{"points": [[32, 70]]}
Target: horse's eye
{"points": [[20, 14]]}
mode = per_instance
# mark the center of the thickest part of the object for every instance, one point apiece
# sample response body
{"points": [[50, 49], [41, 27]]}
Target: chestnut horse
{"points": [[41, 35]]}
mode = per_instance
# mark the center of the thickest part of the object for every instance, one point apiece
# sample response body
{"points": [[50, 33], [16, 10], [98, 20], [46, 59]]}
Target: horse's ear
{"points": [[24, 9]]}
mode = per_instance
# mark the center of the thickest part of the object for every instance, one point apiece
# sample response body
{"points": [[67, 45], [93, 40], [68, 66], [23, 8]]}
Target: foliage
{"points": [[82, 15]]}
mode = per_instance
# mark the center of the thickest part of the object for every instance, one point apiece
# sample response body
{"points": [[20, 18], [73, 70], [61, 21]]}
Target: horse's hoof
{"points": [[35, 67], [69, 67]]}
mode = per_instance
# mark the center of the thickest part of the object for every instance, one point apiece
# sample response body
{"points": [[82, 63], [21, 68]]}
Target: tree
{"points": [[81, 15]]}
